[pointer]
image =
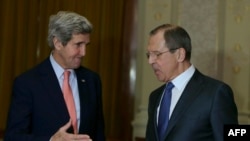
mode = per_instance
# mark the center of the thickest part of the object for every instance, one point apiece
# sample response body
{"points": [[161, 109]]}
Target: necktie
{"points": [[164, 111], [69, 100]]}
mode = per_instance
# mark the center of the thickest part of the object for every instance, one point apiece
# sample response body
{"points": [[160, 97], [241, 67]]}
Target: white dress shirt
{"points": [[180, 83]]}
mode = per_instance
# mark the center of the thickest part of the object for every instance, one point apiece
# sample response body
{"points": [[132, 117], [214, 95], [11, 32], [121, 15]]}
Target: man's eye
{"points": [[78, 44], [158, 53]]}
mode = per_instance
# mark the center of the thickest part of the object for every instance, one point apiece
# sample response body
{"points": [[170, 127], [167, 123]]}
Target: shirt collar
{"points": [[58, 69], [181, 80]]}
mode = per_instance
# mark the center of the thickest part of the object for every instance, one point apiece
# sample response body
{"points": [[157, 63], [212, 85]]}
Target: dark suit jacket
{"points": [[38, 110], [204, 107]]}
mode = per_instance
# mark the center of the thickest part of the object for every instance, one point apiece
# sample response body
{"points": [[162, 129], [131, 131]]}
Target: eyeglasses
{"points": [[155, 55]]}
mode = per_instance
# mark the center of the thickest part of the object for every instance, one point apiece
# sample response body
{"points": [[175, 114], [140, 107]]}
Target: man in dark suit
{"points": [[38, 111], [199, 105]]}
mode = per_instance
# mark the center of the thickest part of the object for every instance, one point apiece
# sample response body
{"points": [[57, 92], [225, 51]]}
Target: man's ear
{"points": [[181, 54], [57, 43]]}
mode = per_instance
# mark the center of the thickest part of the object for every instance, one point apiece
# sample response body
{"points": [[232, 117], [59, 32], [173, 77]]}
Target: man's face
{"points": [[163, 62], [70, 55]]}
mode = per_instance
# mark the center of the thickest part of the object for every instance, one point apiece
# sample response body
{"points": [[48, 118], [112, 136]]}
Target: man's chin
{"points": [[159, 79], [76, 66]]}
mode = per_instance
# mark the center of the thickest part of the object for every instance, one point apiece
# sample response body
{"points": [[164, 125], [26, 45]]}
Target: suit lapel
{"points": [[52, 88], [82, 80], [155, 103], [189, 94]]}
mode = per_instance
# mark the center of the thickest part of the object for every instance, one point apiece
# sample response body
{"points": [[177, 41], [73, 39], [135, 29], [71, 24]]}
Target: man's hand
{"points": [[62, 135]]}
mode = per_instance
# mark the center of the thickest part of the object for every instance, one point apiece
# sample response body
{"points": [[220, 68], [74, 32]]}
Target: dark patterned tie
{"points": [[164, 111]]}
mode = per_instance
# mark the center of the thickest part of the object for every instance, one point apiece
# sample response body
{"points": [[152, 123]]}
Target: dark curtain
{"points": [[23, 33]]}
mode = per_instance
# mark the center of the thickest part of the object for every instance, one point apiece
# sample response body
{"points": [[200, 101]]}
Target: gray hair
{"points": [[64, 24], [175, 37]]}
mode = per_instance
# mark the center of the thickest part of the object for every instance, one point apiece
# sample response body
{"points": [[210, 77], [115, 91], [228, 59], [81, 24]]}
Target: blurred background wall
{"points": [[23, 33], [220, 37]]}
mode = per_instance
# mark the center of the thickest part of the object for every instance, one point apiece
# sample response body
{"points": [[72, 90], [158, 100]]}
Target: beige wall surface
{"points": [[236, 60]]}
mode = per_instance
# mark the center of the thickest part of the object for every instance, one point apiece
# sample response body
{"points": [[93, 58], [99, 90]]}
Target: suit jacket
{"points": [[204, 107], [38, 110]]}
